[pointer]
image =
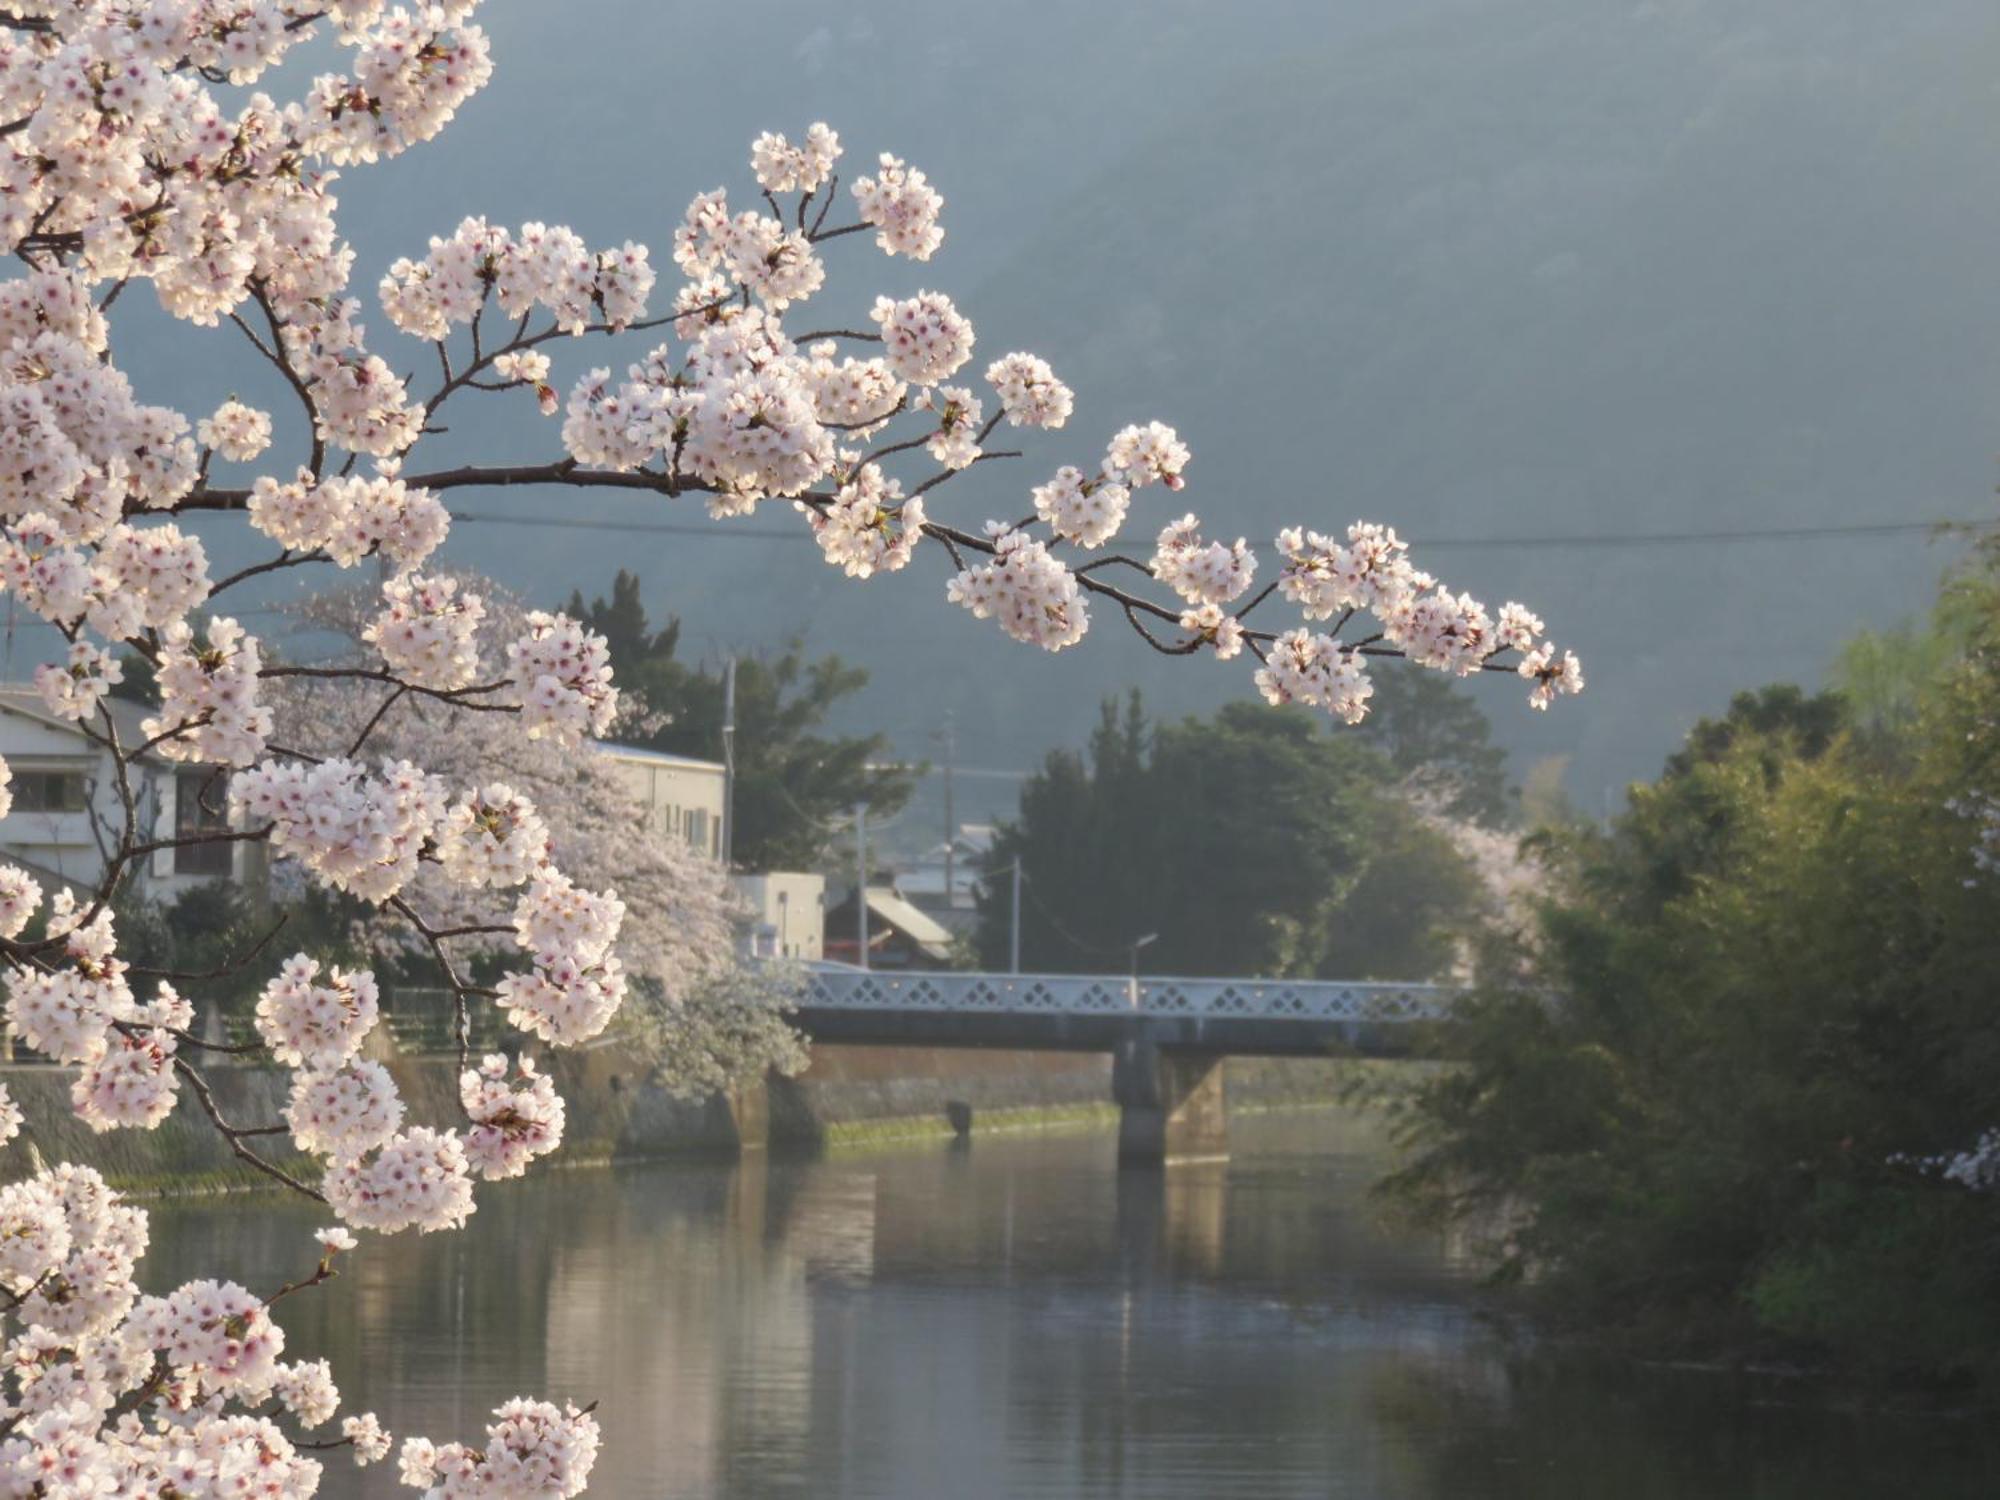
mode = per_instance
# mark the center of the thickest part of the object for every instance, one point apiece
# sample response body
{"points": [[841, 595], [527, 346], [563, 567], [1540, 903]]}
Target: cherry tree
{"points": [[141, 142], [702, 1017]]}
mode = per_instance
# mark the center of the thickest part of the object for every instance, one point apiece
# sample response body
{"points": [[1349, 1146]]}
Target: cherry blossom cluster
{"points": [[428, 631], [513, 1120], [543, 267], [532, 1450], [127, 1078], [343, 1111], [1033, 596], [1310, 667], [123, 580], [564, 673], [20, 899], [351, 518], [926, 338], [417, 1179], [902, 205], [1085, 510], [1029, 392], [493, 837], [208, 696], [357, 832], [237, 432], [305, 1020], [64, 1008], [76, 687], [577, 982], [782, 167], [869, 528], [1202, 572]]}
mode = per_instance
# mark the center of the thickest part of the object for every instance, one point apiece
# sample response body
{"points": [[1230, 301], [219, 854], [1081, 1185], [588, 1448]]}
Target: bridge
{"points": [[1167, 1037]]}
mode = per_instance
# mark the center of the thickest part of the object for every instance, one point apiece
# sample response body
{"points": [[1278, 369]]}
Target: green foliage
{"points": [[1432, 732], [794, 782], [1775, 981], [1252, 842], [203, 936]]}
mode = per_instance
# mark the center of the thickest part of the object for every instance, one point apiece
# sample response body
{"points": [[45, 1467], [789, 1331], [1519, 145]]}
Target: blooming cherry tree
{"points": [[156, 141]]}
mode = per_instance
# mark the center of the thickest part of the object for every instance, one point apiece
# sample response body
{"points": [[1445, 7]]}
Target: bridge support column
{"points": [[749, 1106], [1170, 1103]]}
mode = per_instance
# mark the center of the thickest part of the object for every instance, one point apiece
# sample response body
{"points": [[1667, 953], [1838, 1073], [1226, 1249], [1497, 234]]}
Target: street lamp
{"points": [[1137, 944]]}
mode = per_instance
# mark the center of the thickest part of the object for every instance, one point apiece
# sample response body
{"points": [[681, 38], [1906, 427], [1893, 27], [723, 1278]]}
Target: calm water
{"points": [[1019, 1319]]}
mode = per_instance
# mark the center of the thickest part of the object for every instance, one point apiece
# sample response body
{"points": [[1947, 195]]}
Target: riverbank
{"points": [[617, 1111]]}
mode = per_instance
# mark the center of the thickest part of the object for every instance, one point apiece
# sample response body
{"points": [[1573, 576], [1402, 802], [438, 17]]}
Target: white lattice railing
{"points": [[1108, 994]]}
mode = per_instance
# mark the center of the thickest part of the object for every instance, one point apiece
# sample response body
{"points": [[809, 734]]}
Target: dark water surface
{"points": [[1020, 1319]]}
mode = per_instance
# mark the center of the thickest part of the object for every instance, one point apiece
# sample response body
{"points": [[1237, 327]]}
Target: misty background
{"points": [[1519, 277]]}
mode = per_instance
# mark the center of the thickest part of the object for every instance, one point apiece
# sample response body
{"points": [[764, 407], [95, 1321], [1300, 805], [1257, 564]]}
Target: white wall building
{"points": [[686, 795], [66, 812], [787, 914]]}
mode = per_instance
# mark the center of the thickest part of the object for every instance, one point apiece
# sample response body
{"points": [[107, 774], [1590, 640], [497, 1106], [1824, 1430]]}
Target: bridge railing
{"points": [[1111, 994]]}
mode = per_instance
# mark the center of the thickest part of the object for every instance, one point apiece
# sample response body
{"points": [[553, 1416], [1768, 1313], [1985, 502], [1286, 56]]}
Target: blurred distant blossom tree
{"points": [[698, 1010], [141, 141]]}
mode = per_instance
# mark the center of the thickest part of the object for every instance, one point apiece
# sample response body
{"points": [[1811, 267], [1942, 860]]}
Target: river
{"points": [[1018, 1318]]}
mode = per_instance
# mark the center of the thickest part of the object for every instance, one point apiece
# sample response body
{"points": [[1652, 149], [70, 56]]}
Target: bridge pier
{"points": [[1171, 1105]]}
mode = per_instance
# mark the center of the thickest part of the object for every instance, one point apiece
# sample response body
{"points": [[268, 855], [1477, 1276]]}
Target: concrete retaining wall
{"points": [[616, 1112]]}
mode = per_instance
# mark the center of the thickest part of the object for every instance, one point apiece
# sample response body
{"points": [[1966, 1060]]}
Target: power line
{"points": [[1578, 539]]}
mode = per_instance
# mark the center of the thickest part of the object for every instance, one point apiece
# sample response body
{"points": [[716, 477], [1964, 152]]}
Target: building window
{"points": [[49, 792], [201, 805]]}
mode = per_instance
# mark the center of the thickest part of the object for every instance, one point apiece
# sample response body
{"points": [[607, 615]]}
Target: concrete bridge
{"points": [[1167, 1037]]}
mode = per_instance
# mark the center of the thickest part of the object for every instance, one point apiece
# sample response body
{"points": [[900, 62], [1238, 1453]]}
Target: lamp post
{"points": [[1133, 983]]}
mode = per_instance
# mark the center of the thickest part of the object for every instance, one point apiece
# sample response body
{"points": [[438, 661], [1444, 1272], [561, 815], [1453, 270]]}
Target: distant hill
{"points": [[1542, 268]]}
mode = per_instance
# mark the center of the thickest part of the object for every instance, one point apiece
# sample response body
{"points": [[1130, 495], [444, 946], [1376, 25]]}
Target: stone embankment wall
{"points": [[616, 1112]]}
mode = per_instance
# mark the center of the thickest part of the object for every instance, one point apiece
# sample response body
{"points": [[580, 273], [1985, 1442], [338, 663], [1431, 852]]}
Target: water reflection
{"points": [[1020, 1319]]}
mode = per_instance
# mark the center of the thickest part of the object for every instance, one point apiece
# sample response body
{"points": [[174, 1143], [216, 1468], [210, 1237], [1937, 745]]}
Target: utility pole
{"points": [[1014, 931], [861, 877], [948, 737], [728, 763]]}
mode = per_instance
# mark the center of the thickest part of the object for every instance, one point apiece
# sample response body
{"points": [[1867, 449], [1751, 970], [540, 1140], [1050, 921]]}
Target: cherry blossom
{"points": [[1033, 596], [566, 671], [782, 167], [903, 206], [417, 1179], [926, 337], [237, 432], [303, 1021], [1202, 572], [1087, 511], [1029, 392], [869, 528], [513, 1120]]}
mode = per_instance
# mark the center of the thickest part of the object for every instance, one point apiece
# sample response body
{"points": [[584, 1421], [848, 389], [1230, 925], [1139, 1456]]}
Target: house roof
{"points": [[655, 757], [919, 926], [24, 700]]}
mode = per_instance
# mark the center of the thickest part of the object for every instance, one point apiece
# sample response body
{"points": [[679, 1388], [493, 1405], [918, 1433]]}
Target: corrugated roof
{"points": [[19, 698], [920, 925]]}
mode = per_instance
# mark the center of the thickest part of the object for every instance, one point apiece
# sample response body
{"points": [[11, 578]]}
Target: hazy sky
{"points": [[1552, 269]]}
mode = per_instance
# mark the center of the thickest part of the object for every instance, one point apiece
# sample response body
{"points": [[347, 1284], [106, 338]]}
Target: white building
{"points": [[787, 914], [686, 795], [66, 812], [689, 798]]}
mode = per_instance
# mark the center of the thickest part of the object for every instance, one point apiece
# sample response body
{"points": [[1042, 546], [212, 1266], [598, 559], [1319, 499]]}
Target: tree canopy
{"points": [[1756, 1115], [1250, 843]]}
